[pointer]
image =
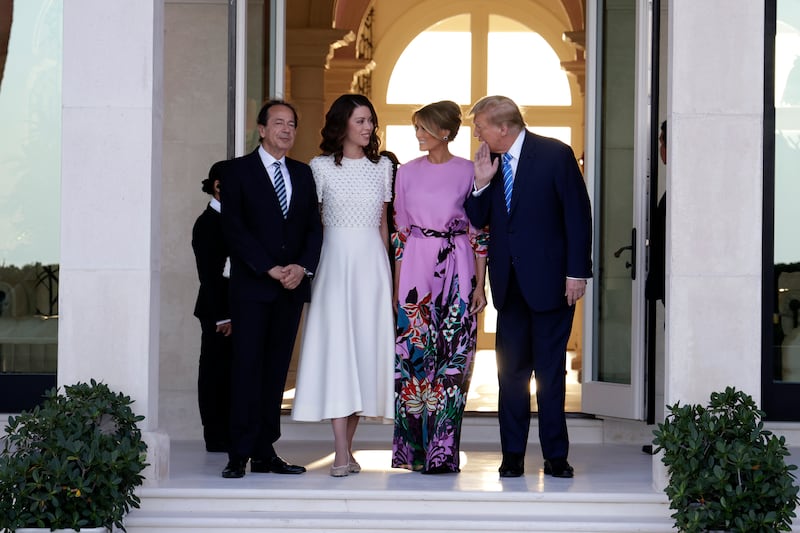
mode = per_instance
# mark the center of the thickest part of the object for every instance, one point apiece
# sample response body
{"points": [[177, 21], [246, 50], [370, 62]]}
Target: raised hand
{"points": [[485, 168]]}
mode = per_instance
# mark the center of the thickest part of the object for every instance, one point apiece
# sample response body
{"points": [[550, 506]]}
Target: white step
{"points": [[207, 510]]}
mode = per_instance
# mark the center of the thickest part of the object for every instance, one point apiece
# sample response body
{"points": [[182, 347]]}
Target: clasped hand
{"points": [[289, 276]]}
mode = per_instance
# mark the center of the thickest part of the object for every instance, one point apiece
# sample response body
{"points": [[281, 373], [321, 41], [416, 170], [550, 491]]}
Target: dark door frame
{"points": [[778, 398]]}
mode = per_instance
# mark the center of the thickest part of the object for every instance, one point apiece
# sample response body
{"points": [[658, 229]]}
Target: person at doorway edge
{"points": [[654, 286], [272, 224], [530, 192]]}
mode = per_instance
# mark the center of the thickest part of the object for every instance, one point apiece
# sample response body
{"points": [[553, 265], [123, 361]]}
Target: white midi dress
{"points": [[347, 349]]}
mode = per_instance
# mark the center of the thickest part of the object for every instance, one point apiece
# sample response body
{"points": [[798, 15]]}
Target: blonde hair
{"points": [[499, 110], [444, 115]]}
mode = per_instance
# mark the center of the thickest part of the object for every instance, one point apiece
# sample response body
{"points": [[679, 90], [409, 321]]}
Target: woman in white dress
{"points": [[346, 367]]}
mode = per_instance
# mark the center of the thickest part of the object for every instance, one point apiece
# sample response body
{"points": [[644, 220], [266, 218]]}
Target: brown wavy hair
{"points": [[334, 131]]}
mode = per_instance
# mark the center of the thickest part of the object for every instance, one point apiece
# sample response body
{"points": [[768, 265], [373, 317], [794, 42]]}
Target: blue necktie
{"points": [[280, 188], [508, 180]]}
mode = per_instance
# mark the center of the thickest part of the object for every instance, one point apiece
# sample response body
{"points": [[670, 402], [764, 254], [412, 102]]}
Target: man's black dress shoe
{"points": [[513, 465], [275, 464], [558, 468], [234, 468]]}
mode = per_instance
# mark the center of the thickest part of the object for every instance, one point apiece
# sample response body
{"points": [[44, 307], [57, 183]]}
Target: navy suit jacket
{"points": [[547, 236], [258, 235], [210, 253]]}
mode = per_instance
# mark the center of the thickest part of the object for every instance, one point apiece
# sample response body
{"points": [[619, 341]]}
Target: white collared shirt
{"points": [[267, 160], [215, 205], [515, 150]]}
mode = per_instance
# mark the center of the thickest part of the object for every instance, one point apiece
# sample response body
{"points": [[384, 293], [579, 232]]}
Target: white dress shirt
{"points": [[268, 161]]}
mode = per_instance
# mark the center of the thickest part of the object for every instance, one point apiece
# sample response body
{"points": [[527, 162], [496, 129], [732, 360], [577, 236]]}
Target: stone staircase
{"points": [[612, 492]]}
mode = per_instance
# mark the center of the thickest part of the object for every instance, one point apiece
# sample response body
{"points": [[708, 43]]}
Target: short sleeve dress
{"points": [[347, 352]]}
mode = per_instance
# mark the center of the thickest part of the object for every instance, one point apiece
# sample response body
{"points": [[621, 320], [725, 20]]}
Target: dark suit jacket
{"points": [[258, 235], [548, 233], [210, 253], [654, 287]]}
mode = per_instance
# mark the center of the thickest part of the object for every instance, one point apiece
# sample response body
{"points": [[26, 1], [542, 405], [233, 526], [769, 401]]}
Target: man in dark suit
{"points": [[272, 224], [530, 192], [214, 371]]}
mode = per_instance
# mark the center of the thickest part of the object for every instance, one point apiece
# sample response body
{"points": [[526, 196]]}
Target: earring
{"points": [[444, 138]]}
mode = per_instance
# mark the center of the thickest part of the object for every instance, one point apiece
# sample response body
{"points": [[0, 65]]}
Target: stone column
{"points": [[111, 186], [714, 195], [341, 76], [308, 55]]}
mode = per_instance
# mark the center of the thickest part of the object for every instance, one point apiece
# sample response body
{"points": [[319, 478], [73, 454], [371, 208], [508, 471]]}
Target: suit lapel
{"points": [[293, 176]]}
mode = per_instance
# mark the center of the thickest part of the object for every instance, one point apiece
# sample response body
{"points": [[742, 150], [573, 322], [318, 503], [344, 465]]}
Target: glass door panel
{"points": [[617, 155]]}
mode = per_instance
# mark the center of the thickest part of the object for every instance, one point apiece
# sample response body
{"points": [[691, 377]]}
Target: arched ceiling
{"points": [[349, 15]]}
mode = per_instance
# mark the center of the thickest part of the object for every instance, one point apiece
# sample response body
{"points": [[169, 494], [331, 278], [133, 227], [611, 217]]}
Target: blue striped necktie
{"points": [[280, 188], [508, 180]]}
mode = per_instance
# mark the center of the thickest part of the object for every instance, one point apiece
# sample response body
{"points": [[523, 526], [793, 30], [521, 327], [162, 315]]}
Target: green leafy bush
{"points": [[726, 472], [72, 462]]}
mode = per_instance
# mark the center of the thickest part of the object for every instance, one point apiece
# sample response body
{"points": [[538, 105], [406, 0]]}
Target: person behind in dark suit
{"points": [[540, 232], [390, 209], [214, 372], [654, 286], [272, 224]]}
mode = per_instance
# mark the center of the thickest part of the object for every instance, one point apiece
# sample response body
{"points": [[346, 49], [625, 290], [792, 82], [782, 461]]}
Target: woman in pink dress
{"points": [[440, 266]]}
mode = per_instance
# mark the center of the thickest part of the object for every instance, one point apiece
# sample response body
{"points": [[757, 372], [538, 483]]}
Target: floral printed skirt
{"points": [[435, 351]]}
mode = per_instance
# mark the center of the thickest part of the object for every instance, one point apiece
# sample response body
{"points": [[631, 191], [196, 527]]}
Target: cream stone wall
{"points": [[112, 93], [714, 208]]}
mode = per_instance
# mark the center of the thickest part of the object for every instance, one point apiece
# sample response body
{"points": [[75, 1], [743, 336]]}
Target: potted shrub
{"points": [[726, 472], [72, 462]]}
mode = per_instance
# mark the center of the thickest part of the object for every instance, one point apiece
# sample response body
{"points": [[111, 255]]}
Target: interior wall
{"points": [[713, 267], [195, 121]]}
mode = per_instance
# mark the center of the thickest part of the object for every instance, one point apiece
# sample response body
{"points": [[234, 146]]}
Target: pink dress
{"points": [[436, 335]]}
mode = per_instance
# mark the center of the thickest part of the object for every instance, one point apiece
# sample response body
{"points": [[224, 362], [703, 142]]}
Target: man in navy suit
{"points": [[271, 221], [540, 235]]}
